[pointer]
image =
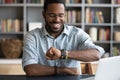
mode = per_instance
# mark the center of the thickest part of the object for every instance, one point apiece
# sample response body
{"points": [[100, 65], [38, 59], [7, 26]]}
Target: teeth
{"points": [[56, 25]]}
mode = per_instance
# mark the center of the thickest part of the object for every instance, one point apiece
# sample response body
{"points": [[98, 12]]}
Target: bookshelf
{"points": [[89, 12]]}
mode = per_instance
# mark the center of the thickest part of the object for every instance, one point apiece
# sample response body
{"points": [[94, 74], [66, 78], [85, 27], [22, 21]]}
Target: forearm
{"points": [[81, 55], [66, 70], [84, 55], [39, 70]]}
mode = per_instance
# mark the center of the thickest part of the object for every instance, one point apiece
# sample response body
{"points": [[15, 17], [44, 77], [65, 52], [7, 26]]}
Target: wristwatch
{"points": [[64, 54]]}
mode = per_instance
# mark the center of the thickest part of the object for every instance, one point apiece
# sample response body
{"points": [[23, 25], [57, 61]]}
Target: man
{"points": [[57, 48]]}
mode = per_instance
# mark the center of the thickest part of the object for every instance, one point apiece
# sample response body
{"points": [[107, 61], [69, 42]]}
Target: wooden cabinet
{"points": [[11, 67]]}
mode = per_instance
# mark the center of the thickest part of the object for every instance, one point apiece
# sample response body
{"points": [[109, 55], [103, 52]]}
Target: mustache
{"points": [[55, 22]]}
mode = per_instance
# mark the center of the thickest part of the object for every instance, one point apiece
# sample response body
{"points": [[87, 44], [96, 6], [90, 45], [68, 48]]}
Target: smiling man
{"points": [[57, 48]]}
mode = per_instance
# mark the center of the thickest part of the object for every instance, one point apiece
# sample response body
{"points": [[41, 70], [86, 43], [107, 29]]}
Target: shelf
{"points": [[116, 42], [98, 24], [34, 5], [11, 5], [14, 33], [73, 5], [97, 5], [32, 12], [115, 24], [116, 5], [10, 61]]}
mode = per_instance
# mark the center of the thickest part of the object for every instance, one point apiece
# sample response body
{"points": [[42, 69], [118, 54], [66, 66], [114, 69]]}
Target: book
{"points": [[73, 16], [41, 1], [87, 15], [117, 15], [9, 25], [34, 25], [15, 1], [9, 1], [67, 1], [116, 51], [100, 17], [3, 25], [66, 18], [93, 33], [101, 34], [107, 34], [104, 34], [78, 16], [78, 1], [17, 25], [69, 16], [118, 1], [113, 1], [89, 1], [29, 1], [117, 35]]}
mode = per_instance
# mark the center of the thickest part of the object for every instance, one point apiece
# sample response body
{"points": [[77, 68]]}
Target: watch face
{"points": [[63, 54]]}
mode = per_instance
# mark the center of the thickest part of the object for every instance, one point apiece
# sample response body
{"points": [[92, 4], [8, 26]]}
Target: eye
{"points": [[61, 15], [52, 15], [55, 15]]}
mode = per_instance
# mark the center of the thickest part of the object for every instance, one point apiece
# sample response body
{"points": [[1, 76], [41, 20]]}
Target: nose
{"points": [[57, 18]]}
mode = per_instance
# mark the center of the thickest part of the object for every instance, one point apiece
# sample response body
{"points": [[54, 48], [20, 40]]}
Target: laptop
{"points": [[108, 69]]}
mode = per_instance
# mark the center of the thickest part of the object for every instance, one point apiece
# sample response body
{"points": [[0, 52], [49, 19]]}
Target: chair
{"points": [[88, 68]]}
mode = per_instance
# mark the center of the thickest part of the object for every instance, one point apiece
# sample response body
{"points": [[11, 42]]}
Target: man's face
{"points": [[55, 17]]}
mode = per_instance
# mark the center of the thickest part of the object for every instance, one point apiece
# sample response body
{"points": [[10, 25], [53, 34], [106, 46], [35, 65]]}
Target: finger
{"points": [[49, 54], [48, 58]]}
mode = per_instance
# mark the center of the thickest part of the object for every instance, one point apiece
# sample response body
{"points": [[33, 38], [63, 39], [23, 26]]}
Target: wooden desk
{"points": [[14, 67], [60, 77]]}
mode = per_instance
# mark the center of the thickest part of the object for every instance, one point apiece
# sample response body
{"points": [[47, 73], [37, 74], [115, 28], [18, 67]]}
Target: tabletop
{"points": [[58, 77]]}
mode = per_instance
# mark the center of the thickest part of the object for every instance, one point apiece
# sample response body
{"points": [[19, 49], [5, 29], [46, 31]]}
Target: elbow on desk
{"points": [[96, 55], [29, 70], [33, 71]]}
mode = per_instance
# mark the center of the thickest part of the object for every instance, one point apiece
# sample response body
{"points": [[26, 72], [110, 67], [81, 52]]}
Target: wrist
{"points": [[55, 70], [64, 54], [61, 70]]}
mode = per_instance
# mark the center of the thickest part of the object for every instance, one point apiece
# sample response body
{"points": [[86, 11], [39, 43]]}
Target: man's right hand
{"points": [[70, 71], [53, 54]]}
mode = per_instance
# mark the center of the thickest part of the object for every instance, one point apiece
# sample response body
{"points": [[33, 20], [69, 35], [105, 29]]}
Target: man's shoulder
{"points": [[36, 30], [73, 28]]}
